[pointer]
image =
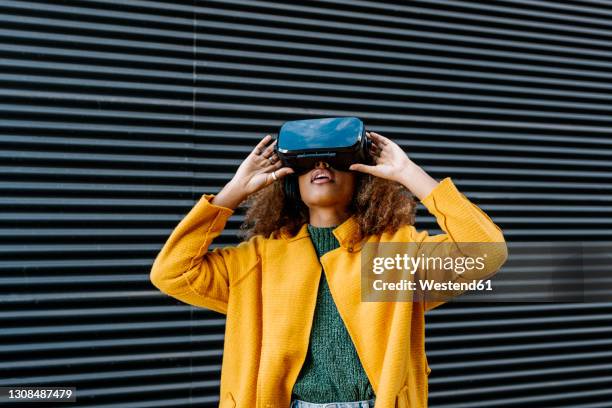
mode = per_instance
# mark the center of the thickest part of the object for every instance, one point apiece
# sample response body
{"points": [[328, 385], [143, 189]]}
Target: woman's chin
{"points": [[323, 199], [324, 191]]}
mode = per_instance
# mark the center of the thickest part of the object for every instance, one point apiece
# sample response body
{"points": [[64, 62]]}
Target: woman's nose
{"points": [[322, 163]]}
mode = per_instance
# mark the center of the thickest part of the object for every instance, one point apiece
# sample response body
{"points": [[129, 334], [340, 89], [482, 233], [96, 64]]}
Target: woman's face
{"points": [[324, 186]]}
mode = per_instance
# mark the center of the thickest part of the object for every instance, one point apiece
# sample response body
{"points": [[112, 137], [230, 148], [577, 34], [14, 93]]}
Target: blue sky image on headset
{"points": [[320, 133]]}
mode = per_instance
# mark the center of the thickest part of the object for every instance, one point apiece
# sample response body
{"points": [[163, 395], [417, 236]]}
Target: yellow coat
{"points": [[267, 287]]}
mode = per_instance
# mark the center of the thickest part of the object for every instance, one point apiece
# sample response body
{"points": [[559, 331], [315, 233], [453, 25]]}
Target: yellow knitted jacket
{"points": [[267, 287]]}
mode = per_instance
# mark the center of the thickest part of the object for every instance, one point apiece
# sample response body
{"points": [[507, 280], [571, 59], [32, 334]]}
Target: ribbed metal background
{"points": [[117, 116]]}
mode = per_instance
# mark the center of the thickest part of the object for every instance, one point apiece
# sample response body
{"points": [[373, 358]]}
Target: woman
{"points": [[297, 333]]}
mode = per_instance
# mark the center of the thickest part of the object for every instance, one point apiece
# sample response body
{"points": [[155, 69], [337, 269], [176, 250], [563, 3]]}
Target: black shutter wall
{"points": [[118, 115]]}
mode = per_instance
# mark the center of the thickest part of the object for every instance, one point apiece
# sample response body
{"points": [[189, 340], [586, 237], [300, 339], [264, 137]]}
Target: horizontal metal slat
{"points": [[133, 375], [114, 343], [529, 400], [98, 311], [516, 335], [116, 359], [573, 8], [515, 374]]}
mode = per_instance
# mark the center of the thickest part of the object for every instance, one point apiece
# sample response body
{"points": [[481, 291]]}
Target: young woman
{"points": [[297, 333]]}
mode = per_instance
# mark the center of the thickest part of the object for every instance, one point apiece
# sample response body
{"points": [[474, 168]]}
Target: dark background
{"points": [[116, 116]]}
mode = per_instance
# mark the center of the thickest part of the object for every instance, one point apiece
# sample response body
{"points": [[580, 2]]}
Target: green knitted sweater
{"points": [[332, 371]]}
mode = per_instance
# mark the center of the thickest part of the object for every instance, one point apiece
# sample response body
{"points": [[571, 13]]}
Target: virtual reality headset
{"points": [[338, 141]]}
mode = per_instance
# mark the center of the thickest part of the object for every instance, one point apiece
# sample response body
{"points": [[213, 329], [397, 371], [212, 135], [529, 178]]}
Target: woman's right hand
{"points": [[255, 172]]}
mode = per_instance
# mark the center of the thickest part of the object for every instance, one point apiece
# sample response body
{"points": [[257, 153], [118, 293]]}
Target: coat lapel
{"points": [[370, 324], [290, 281]]}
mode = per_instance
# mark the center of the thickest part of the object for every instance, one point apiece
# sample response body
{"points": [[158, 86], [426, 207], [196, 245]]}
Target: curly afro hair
{"points": [[379, 205]]}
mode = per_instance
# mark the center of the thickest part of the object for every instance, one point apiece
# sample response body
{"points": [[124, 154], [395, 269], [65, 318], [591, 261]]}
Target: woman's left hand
{"points": [[390, 160], [393, 163]]}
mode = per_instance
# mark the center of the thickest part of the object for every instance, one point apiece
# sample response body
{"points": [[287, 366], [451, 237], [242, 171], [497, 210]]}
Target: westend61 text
{"points": [[429, 285]]}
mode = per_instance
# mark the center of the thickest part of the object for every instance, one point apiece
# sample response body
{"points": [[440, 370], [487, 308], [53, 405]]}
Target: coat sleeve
{"points": [[186, 270], [462, 222]]}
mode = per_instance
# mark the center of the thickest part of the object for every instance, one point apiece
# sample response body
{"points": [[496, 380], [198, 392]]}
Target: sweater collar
{"points": [[345, 233]]}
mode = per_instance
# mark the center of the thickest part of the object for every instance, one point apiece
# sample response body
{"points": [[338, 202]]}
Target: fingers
{"points": [[258, 150], [269, 161], [376, 148], [269, 166], [279, 173], [269, 151], [263, 154], [364, 168], [378, 139], [285, 171]]}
